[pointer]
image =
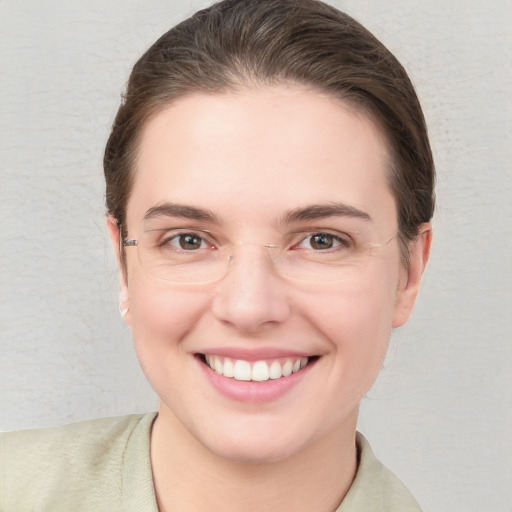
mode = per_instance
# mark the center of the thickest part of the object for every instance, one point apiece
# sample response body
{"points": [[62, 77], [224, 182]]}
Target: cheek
{"points": [[357, 322], [161, 317]]}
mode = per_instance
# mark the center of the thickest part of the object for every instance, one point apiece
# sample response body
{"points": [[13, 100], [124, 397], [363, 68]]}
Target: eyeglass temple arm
{"points": [[124, 242]]}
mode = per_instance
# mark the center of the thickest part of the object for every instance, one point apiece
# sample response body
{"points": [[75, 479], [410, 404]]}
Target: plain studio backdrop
{"points": [[440, 414]]}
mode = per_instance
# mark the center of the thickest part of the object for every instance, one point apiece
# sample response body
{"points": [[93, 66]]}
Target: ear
{"points": [[124, 298], [419, 251]]}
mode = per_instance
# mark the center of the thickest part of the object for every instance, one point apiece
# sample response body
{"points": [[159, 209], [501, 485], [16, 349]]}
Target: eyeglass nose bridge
{"points": [[272, 255]]}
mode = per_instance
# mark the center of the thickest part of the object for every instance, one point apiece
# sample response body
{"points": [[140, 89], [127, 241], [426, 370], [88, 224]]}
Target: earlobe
{"points": [[124, 299], [124, 309], [419, 251]]}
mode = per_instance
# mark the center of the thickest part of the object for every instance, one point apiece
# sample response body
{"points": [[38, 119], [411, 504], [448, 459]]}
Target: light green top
{"points": [[104, 465]]}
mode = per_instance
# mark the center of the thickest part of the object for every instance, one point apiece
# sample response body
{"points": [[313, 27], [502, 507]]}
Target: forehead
{"points": [[260, 152]]}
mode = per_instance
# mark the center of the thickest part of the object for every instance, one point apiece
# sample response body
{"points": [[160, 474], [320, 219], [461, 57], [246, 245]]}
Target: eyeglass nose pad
{"points": [[273, 254]]}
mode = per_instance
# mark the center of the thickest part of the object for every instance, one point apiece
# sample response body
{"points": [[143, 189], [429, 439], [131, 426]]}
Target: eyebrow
{"points": [[180, 210], [305, 213], [322, 211]]}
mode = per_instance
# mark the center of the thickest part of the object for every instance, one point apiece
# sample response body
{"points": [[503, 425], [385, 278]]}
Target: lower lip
{"points": [[254, 392]]}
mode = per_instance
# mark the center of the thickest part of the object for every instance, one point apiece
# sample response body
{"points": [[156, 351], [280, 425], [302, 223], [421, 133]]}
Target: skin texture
{"points": [[248, 157]]}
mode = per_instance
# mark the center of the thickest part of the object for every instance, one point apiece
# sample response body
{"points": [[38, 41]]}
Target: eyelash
{"points": [[166, 241], [340, 241]]}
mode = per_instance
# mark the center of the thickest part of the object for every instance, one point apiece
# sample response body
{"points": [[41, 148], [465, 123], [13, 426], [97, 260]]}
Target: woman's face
{"points": [[265, 166]]}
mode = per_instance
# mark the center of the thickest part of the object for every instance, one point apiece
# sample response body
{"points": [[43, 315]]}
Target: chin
{"points": [[254, 452], [256, 441]]}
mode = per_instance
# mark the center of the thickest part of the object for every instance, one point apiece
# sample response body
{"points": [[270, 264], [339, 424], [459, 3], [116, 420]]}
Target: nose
{"points": [[251, 297]]}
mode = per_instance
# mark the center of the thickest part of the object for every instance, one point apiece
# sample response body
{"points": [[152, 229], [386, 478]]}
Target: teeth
{"points": [[242, 370], [217, 366], [287, 368], [228, 368], [259, 371], [276, 371]]}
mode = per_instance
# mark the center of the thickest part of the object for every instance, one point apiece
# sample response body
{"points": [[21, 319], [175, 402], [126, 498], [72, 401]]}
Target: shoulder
{"points": [[78, 463], [375, 488]]}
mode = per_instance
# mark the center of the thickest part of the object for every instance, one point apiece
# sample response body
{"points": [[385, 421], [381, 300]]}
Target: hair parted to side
{"points": [[246, 43]]}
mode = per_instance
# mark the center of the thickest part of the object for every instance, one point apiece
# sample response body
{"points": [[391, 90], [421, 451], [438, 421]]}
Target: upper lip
{"points": [[254, 354]]}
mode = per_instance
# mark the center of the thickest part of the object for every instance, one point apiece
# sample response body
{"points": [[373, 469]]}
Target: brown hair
{"points": [[237, 43]]}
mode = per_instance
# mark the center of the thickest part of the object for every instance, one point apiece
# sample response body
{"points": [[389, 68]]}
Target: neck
{"points": [[189, 477]]}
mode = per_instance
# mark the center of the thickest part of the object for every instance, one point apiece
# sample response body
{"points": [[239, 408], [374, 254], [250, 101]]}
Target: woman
{"points": [[269, 192]]}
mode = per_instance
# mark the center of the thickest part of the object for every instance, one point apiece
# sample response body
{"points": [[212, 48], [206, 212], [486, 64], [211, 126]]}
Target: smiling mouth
{"points": [[257, 371]]}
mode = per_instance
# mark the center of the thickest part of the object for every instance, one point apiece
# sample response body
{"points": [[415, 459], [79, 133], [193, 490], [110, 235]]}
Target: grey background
{"points": [[440, 414]]}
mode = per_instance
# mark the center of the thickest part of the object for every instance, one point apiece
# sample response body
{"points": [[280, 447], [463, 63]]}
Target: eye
{"points": [[186, 242], [324, 242]]}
